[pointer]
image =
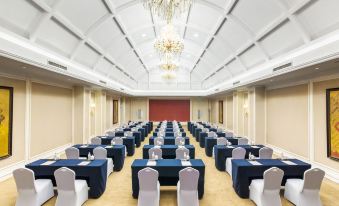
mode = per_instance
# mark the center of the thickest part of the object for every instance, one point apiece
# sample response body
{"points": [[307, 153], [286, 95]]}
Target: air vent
{"points": [[282, 67], [102, 82], [235, 83], [122, 89], [216, 90], [57, 65]]}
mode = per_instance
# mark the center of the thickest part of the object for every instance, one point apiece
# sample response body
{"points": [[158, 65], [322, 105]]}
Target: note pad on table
{"points": [[254, 163], [84, 146], [289, 162], [254, 146], [84, 163], [186, 163], [230, 147], [151, 163], [109, 147], [48, 163]]}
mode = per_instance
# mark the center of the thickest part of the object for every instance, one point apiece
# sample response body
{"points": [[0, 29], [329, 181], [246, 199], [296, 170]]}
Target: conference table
{"points": [[244, 171], [211, 141], [168, 151], [116, 152], [203, 135], [94, 172], [222, 152], [136, 135], [170, 129], [168, 172], [168, 140], [129, 142], [171, 134]]}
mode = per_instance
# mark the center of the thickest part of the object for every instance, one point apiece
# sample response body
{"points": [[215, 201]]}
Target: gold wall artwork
{"points": [[115, 111], [6, 113], [332, 102]]}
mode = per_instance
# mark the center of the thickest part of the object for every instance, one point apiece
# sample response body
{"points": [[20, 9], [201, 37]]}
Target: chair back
{"points": [[96, 140], [117, 141], [72, 153], [188, 178], [181, 152], [229, 134], [24, 179], [313, 179], [242, 141], [159, 141], [221, 141], [148, 179], [157, 151], [100, 153], [179, 140], [211, 134], [128, 134], [220, 130], [65, 179], [205, 130], [238, 153], [110, 133], [265, 153], [273, 178]]}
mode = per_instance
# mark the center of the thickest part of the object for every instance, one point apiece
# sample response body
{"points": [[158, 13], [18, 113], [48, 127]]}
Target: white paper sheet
{"points": [[84, 163], [254, 146], [230, 147], [151, 163], [254, 163], [109, 147], [186, 163], [84, 146], [289, 162], [48, 163]]}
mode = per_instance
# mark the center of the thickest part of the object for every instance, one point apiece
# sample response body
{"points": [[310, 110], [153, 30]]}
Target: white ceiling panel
{"points": [[204, 16], [143, 35], [135, 16], [235, 67], [252, 57], [106, 33], [220, 3], [118, 47], [196, 36], [281, 40], [257, 14], [82, 14], [86, 56], [19, 22], [320, 18], [105, 67], [220, 49]]}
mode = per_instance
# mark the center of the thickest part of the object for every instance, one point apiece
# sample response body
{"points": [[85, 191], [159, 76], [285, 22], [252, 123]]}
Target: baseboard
{"points": [[6, 172], [331, 174]]}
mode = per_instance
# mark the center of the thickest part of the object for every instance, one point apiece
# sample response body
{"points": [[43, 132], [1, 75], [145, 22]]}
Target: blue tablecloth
{"points": [[147, 131], [95, 173], [143, 134], [221, 153], [136, 135], [244, 172], [210, 142], [168, 140], [169, 130], [117, 153], [168, 173], [203, 135], [196, 133], [169, 134], [127, 141], [168, 151]]}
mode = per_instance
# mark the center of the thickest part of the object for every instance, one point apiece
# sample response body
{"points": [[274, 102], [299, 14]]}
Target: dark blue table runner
{"points": [[168, 151], [168, 140]]}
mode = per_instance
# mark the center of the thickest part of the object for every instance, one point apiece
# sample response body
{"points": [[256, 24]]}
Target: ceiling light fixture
{"points": [[169, 75], [168, 9], [143, 35], [196, 35], [169, 66]]}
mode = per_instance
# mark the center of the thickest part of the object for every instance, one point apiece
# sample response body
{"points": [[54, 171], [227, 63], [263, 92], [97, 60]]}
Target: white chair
{"points": [[117, 141], [155, 153], [265, 192], [71, 192], [220, 141], [72, 153], [305, 192], [242, 141], [205, 130], [128, 134], [179, 141], [182, 153], [187, 187], [110, 133], [96, 140], [220, 130], [211, 134], [100, 153], [237, 153], [265, 153], [149, 187], [31, 192], [159, 141]]}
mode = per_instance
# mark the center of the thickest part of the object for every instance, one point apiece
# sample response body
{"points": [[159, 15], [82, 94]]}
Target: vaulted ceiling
{"points": [[223, 38]]}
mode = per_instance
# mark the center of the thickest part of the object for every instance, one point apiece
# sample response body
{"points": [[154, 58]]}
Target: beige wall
{"points": [[51, 118], [229, 112], [139, 104], [202, 105], [287, 119], [319, 129], [19, 114]]}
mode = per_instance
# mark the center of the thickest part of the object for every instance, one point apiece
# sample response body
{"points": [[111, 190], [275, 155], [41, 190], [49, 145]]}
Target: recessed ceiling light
{"points": [[316, 68], [196, 35], [143, 35], [188, 55], [150, 55], [23, 67]]}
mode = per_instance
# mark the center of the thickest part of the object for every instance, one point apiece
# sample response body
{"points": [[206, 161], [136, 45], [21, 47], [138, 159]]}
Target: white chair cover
{"points": [[117, 141], [182, 153], [265, 191], [242, 141], [71, 192], [96, 140], [72, 153], [110, 133], [220, 130], [155, 152], [159, 141], [179, 141], [265, 153], [305, 192], [100, 153], [149, 187], [31, 192], [205, 130], [222, 141], [237, 153], [211, 134], [187, 187], [128, 134]]}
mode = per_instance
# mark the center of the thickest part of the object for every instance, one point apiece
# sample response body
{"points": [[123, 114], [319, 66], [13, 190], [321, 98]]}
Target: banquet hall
{"points": [[169, 102]]}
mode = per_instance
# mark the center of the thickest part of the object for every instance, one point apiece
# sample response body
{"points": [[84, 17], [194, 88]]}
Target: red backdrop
{"points": [[169, 109]]}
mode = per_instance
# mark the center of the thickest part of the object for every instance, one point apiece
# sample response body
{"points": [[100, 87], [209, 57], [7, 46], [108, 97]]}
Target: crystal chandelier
{"points": [[169, 75], [168, 66], [168, 9], [169, 44]]}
